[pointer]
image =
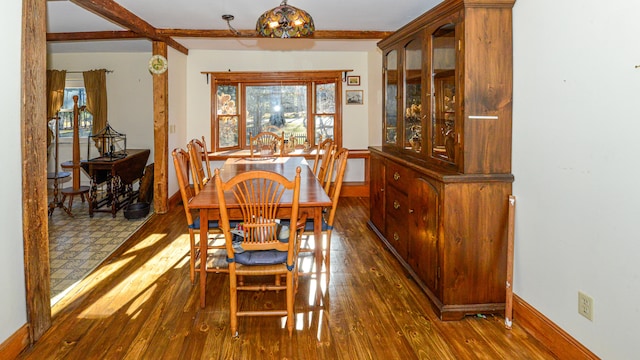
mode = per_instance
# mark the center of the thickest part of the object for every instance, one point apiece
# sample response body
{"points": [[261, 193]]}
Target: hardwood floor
{"points": [[140, 304]]}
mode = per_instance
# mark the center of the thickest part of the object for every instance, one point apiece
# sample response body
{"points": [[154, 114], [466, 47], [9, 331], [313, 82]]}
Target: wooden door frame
{"points": [[35, 223]]}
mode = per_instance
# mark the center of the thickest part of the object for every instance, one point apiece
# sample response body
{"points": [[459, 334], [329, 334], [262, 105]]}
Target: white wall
{"points": [[129, 92], [13, 312], [375, 97], [355, 118], [575, 121], [575, 154], [130, 100], [177, 111]]}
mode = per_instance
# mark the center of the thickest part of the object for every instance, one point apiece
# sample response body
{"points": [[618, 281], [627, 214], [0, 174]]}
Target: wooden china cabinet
{"points": [[441, 179]]}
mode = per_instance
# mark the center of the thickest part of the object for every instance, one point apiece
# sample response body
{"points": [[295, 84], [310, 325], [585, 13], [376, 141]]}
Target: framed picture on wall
{"points": [[353, 80], [355, 97]]}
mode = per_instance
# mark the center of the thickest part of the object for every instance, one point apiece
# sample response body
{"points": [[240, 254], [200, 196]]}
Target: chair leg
{"points": [[290, 295], [327, 256], [192, 257], [233, 301]]}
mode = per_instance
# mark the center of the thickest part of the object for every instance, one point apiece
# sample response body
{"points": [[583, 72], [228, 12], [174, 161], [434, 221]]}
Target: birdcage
{"points": [[110, 143]]}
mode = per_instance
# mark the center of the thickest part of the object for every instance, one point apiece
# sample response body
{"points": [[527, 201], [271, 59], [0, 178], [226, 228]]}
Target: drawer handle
{"points": [[396, 237], [410, 211], [396, 204], [396, 176]]}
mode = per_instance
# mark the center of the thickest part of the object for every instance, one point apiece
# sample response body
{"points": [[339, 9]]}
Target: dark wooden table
{"points": [[119, 174], [313, 199]]}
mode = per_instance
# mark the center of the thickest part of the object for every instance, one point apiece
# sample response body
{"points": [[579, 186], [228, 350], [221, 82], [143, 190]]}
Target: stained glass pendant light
{"points": [[285, 21]]}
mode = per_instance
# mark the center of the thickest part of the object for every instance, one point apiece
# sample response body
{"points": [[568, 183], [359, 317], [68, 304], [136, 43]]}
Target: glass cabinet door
{"points": [[413, 95], [443, 94], [391, 98]]}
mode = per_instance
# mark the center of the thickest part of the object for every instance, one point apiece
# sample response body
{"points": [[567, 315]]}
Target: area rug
{"points": [[79, 243]]}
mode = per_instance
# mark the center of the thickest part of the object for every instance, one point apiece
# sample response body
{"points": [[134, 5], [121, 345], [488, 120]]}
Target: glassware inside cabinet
{"points": [[413, 95]]}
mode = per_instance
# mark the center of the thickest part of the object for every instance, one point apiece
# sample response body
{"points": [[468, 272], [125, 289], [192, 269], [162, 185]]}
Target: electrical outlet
{"points": [[585, 305]]}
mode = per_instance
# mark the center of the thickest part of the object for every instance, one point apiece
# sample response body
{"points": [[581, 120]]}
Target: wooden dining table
{"points": [[313, 199]]}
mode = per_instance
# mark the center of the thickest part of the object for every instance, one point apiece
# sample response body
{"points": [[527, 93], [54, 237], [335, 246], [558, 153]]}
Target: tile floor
{"points": [[78, 244]]}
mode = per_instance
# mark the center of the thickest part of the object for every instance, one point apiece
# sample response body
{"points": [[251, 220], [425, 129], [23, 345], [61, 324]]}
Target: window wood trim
{"points": [[262, 76], [242, 78]]}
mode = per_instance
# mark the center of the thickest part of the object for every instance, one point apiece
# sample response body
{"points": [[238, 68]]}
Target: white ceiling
{"points": [[373, 15]]}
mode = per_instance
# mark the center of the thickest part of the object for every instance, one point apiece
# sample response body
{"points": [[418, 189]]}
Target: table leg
{"points": [[317, 237], [115, 194], [204, 230], [93, 195], [56, 202]]}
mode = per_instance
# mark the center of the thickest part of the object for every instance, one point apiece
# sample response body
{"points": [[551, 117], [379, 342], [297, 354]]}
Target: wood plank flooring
{"points": [[140, 304]]}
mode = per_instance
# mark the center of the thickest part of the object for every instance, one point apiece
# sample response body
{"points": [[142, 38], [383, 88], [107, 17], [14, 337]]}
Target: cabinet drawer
{"points": [[399, 176], [397, 205], [398, 235]]}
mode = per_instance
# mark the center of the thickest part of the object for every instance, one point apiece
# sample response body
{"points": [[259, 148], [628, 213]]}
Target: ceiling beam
{"points": [[93, 35], [115, 35], [125, 18], [318, 34]]}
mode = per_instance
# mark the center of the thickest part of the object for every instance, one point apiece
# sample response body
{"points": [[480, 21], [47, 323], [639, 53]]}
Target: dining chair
{"points": [[198, 154], [339, 163], [323, 161], [181, 163], [257, 249], [266, 142]]}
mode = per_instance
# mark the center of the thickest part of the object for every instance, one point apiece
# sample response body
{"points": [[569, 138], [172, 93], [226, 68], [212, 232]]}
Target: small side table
{"points": [[83, 191], [56, 176]]}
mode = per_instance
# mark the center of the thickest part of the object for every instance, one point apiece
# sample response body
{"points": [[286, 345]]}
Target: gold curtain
{"points": [[95, 84], [55, 97]]}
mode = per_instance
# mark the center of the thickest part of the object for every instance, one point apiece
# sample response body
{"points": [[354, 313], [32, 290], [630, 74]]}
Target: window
{"points": [[305, 106], [85, 119]]}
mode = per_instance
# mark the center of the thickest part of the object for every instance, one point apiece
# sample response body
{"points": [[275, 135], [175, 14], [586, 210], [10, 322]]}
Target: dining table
{"points": [[313, 199]]}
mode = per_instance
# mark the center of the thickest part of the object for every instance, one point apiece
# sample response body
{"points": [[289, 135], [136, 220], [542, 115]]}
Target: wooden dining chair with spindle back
{"points": [[198, 153], [259, 249], [266, 144], [339, 164], [181, 161], [323, 161]]}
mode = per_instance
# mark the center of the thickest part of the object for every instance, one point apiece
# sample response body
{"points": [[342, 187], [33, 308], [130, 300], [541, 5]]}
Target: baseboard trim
{"points": [[558, 341], [15, 344], [175, 200], [354, 189]]}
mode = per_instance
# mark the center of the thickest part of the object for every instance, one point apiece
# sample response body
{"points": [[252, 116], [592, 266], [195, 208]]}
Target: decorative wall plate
{"points": [[158, 64]]}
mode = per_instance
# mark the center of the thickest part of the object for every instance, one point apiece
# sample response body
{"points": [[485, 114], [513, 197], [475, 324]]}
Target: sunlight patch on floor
{"points": [[78, 244], [147, 242], [140, 286]]}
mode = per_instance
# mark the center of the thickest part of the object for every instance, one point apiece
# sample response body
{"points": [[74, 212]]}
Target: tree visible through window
{"points": [[85, 119], [303, 106], [277, 108]]}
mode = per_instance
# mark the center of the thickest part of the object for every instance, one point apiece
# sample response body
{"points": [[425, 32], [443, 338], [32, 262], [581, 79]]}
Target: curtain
{"points": [[95, 84], [55, 97]]}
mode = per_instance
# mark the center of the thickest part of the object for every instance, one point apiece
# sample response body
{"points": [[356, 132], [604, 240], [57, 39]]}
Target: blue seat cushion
{"points": [[261, 257], [309, 225], [212, 223]]}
